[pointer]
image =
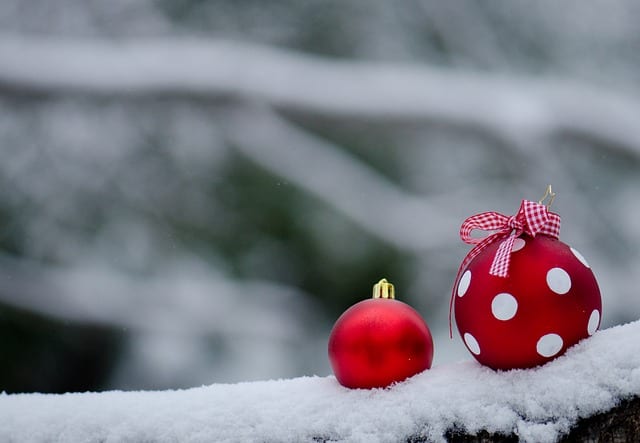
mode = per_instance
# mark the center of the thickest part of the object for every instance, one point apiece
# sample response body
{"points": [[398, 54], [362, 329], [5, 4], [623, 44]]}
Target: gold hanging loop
{"points": [[548, 194]]}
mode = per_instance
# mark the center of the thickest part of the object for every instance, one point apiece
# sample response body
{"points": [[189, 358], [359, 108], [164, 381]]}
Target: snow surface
{"points": [[538, 404]]}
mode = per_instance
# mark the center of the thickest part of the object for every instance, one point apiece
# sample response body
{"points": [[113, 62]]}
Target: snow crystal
{"points": [[537, 404]]}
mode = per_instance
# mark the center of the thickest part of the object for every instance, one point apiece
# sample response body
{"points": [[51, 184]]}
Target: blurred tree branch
{"points": [[337, 178], [179, 301], [509, 107]]}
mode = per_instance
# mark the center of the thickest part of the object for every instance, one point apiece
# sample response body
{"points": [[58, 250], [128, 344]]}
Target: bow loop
{"points": [[536, 216], [486, 221]]}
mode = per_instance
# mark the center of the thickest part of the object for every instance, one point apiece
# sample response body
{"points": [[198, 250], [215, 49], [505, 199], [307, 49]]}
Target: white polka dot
{"points": [[464, 283], [518, 244], [580, 257], [558, 280], [504, 306], [549, 345], [594, 322], [472, 343]]}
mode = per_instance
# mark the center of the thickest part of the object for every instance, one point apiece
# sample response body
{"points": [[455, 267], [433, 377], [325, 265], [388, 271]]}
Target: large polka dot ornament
{"points": [[379, 341], [522, 297]]}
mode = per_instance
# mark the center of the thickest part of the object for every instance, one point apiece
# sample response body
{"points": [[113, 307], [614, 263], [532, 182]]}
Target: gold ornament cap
{"points": [[384, 289]]}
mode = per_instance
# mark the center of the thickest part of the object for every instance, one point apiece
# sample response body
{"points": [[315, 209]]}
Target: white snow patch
{"points": [[538, 404]]}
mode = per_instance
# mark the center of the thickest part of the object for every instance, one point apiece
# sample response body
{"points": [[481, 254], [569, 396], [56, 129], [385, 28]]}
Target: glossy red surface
{"points": [[377, 342], [557, 303]]}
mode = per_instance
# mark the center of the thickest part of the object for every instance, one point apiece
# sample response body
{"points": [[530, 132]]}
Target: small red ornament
{"points": [[523, 297], [379, 341]]}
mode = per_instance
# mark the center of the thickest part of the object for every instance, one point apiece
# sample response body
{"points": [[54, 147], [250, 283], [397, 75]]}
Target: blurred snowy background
{"points": [[192, 192]]}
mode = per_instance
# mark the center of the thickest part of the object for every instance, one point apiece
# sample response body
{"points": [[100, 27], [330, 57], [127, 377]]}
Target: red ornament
{"points": [[379, 341], [545, 300]]}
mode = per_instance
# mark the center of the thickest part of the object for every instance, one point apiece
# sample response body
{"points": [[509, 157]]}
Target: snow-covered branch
{"points": [[535, 405], [187, 299], [509, 107]]}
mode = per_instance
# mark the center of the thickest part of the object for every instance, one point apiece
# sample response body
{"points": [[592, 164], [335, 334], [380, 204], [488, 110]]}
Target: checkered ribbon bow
{"points": [[532, 219]]}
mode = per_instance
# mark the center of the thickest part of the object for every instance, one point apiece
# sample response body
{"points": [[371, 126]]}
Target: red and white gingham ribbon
{"points": [[532, 219]]}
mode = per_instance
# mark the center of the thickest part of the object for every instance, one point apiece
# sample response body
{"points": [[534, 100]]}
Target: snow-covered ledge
{"points": [[538, 405]]}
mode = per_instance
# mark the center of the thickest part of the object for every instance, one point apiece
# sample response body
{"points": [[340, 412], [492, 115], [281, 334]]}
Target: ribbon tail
{"points": [[451, 313], [453, 298], [502, 259]]}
